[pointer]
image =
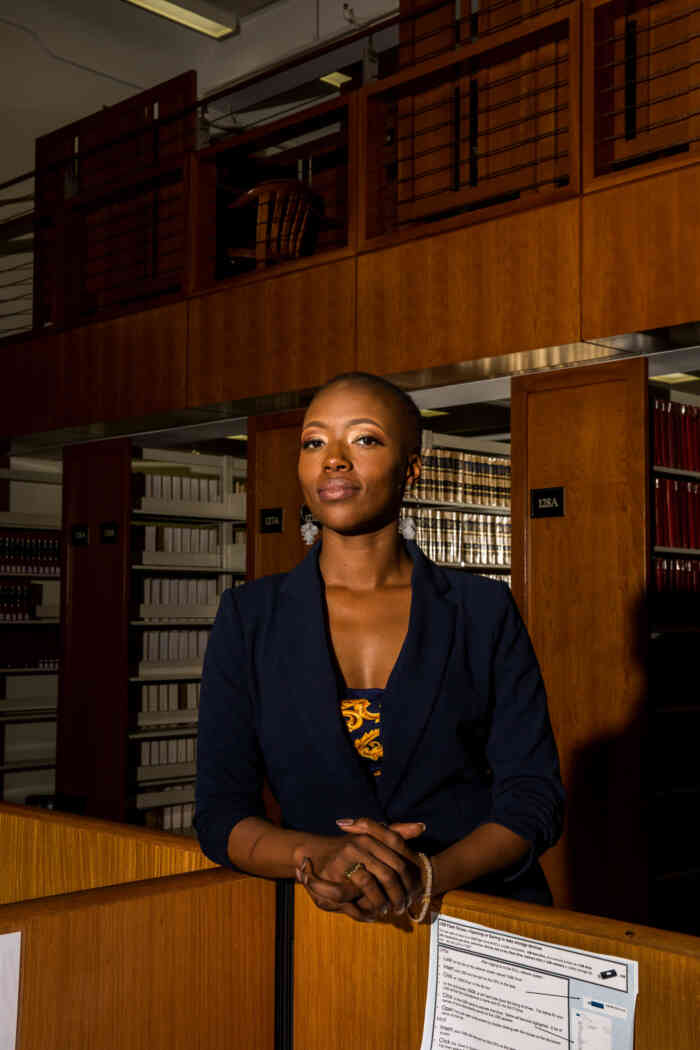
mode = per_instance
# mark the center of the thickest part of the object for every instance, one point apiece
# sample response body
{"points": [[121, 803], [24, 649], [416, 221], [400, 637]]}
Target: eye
{"points": [[312, 443], [368, 439]]}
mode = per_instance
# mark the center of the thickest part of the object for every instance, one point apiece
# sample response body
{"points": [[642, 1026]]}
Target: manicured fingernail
{"points": [[299, 875], [401, 909], [385, 909], [345, 822], [422, 826]]}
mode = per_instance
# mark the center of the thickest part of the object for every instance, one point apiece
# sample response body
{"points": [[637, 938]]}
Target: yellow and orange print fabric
{"points": [[363, 719]]}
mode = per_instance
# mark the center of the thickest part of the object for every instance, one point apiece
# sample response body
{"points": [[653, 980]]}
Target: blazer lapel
{"points": [[416, 680], [306, 674]]}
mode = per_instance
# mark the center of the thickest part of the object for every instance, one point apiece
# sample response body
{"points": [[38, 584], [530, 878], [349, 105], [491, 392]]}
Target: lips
{"points": [[337, 490]]}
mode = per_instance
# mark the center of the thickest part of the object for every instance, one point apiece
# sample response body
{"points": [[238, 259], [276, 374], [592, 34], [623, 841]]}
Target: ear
{"points": [[413, 468]]}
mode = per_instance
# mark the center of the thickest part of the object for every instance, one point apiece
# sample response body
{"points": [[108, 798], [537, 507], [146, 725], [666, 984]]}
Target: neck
{"points": [[367, 562]]}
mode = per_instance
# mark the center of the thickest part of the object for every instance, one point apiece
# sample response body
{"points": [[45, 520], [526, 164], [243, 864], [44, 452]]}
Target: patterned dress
{"points": [[362, 713]]}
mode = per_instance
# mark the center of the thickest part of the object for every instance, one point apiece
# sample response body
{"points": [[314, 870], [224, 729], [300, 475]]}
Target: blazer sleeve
{"points": [[229, 763], [527, 792]]}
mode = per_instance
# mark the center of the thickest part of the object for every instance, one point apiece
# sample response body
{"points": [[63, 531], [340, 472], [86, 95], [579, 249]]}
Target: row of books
{"points": [[170, 696], [453, 476], [180, 539], [171, 818], [165, 590], [181, 488], [168, 752], [174, 646], [18, 601], [677, 512], [676, 435], [500, 577], [37, 553], [239, 485], [677, 574], [463, 537]]}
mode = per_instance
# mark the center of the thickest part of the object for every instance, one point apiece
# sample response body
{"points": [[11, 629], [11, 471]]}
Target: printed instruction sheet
{"points": [[490, 990], [9, 988]]}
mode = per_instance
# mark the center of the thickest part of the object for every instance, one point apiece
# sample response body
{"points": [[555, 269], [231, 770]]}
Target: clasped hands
{"points": [[368, 874]]}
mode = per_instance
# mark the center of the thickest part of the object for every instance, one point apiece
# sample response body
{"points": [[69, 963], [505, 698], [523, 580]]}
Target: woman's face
{"points": [[352, 462]]}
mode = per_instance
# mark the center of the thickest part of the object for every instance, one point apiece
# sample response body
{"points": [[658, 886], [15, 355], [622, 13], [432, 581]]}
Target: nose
{"points": [[336, 457]]}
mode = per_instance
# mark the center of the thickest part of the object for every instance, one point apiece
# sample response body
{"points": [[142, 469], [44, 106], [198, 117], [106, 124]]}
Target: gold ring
{"points": [[353, 868]]}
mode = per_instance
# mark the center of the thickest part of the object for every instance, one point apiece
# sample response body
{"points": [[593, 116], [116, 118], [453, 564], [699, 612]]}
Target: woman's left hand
{"points": [[325, 893]]}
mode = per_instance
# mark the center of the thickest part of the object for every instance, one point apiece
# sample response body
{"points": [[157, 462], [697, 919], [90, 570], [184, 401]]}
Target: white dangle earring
{"points": [[309, 533], [407, 527]]}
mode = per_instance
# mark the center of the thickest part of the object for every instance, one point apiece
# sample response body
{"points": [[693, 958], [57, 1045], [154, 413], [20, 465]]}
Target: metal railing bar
{"points": [[648, 128], [649, 103], [614, 88], [648, 54], [516, 189]]}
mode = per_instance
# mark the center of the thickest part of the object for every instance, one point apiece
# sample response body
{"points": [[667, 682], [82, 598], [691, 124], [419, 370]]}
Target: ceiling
{"points": [[62, 60]]}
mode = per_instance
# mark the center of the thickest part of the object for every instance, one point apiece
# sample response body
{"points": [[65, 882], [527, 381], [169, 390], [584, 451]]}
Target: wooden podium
{"points": [[186, 959]]}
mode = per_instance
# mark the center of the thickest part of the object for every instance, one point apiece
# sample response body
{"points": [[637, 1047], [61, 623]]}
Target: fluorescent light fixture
{"points": [[428, 412], [676, 377], [335, 79], [191, 19], [236, 437]]}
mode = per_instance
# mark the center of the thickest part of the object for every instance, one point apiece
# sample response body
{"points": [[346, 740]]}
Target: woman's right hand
{"points": [[385, 875]]}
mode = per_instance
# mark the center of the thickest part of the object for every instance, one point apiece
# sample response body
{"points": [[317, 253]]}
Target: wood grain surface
{"points": [[496, 288], [359, 985], [131, 366], [271, 336], [181, 963], [47, 853], [31, 372], [581, 583], [640, 265]]}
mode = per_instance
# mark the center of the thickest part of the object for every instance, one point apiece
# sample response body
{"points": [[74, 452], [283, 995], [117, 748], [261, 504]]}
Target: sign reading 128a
{"points": [[547, 503]]}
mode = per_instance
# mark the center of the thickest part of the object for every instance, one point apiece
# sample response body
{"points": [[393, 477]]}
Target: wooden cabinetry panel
{"points": [[581, 583], [30, 371], [640, 261], [503, 286], [128, 367], [269, 336]]}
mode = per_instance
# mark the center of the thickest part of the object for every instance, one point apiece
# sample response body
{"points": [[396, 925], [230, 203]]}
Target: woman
{"points": [[395, 707]]}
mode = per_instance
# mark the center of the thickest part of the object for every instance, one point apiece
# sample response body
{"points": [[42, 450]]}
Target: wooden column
{"points": [[580, 581]]}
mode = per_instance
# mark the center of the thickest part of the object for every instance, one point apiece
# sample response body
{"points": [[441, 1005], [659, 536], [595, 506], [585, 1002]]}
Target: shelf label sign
{"points": [[547, 503], [109, 532], [271, 519], [80, 535]]}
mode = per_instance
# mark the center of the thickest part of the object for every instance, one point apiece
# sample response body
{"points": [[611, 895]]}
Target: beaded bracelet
{"points": [[427, 891]]}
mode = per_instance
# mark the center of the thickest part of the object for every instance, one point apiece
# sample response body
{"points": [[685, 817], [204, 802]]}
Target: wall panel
{"points": [[30, 370], [127, 367], [581, 583], [641, 267], [265, 337], [503, 286]]}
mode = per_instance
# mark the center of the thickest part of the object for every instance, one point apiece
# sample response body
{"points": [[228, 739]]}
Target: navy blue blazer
{"points": [[465, 728]]}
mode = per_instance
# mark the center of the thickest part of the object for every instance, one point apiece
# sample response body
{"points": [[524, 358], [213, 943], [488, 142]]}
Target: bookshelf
{"points": [[674, 620], [30, 557], [170, 538], [461, 505]]}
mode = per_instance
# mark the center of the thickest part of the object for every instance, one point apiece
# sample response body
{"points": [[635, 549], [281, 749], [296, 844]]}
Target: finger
{"points": [[389, 834], [335, 892], [409, 830], [380, 881], [390, 849]]}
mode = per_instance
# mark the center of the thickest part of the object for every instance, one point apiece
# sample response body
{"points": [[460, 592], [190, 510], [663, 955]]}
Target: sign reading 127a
{"points": [[547, 503]]}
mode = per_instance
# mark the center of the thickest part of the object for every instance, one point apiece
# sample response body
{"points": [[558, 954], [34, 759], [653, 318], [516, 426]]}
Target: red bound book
{"points": [[694, 515], [659, 533], [695, 437], [666, 433], [684, 497], [657, 457]]}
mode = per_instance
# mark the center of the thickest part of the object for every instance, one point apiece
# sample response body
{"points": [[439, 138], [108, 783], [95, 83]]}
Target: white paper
{"points": [[9, 988], [490, 990]]}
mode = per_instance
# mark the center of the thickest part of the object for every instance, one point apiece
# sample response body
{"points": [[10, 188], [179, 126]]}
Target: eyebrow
{"points": [[350, 423]]}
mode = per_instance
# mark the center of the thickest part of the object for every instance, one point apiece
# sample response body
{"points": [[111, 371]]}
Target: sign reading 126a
{"points": [[547, 503]]}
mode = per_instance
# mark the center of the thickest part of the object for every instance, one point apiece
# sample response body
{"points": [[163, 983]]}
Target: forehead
{"points": [[352, 401]]}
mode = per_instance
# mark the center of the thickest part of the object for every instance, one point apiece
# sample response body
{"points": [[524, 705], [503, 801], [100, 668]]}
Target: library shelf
{"points": [[178, 567], [472, 566], [28, 766], [172, 621], [25, 716], [165, 772], [40, 476], [43, 621], [164, 732], [677, 472], [158, 719], [681, 552], [32, 576], [29, 520], [473, 508], [165, 797], [29, 670], [167, 673], [182, 511]]}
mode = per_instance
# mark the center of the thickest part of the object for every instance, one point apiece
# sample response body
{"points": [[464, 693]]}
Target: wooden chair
{"points": [[284, 210]]}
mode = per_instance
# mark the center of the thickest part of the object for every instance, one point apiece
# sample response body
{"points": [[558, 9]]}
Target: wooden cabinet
{"points": [[640, 266], [128, 367], [496, 288], [285, 333], [580, 581]]}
